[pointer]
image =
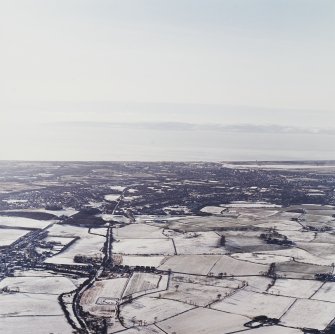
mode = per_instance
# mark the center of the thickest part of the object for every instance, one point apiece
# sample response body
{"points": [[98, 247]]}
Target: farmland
{"points": [[166, 248]]}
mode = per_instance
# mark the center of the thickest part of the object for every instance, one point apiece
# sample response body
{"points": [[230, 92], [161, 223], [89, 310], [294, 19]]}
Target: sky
{"points": [[167, 79]]}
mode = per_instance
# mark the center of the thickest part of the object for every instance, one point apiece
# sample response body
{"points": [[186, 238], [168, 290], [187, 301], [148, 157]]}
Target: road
{"points": [[107, 258]]}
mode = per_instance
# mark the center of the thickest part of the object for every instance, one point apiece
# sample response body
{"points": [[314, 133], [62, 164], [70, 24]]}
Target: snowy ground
{"points": [[8, 236]]}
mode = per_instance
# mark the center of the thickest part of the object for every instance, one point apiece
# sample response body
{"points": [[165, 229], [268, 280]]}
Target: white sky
{"points": [[226, 62]]}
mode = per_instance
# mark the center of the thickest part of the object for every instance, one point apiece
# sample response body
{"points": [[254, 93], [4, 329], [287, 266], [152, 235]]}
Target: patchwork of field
{"points": [[30, 304], [245, 267], [241, 263]]}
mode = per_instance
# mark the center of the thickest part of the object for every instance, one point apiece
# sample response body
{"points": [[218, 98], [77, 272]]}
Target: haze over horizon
{"points": [[168, 80]]}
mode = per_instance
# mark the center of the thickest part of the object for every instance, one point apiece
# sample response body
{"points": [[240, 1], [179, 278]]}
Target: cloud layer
{"points": [[183, 126]]}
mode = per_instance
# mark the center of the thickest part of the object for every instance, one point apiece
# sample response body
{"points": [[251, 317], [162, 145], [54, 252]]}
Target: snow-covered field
{"points": [[214, 210], [140, 329], [302, 256], [213, 271], [140, 282], [261, 258], [180, 208], [48, 285], [63, 212], [242, 204], [138, 231], [133, 261], [100, 299], [87, 244], [112, 197], [24, 304], [190, 264], [35, 324], [281, 225], [117, 188], [109, 288], [23, 222], [253, 304], [309, 314], [231, 266], [195, 294], [274, 330], [295, 288], [202, 320], [230, 283], [8, 236], [326, 293], [198, 243], [152, 309], [143, 246]]}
